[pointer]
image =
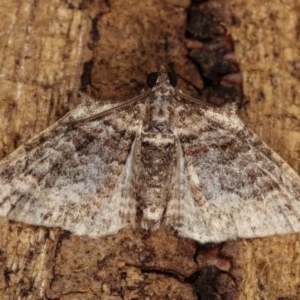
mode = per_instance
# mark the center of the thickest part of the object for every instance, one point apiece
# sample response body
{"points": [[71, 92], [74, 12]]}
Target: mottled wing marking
{"points": [[229, 183], [76, 176], [161, 157]]}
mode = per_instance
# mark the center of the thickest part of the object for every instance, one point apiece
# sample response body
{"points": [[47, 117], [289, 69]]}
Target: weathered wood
{"points": [[47, 50], [267, 48]]}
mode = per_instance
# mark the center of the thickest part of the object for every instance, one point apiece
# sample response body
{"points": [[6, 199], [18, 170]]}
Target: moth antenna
{"points": [[113, 109], [201, 103]]}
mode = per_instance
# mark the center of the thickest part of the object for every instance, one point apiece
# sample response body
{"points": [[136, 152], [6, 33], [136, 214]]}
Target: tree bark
{"points": [[51, 49], [266, 39]]}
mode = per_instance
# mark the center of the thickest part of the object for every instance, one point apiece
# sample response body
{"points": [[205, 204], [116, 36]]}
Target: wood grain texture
{"points": [[267, 48], [48, 48], [41, 48]]}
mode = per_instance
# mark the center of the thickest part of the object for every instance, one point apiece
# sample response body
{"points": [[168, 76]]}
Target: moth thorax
{"points": [[159, 116], [156, 166], [159, 126]]}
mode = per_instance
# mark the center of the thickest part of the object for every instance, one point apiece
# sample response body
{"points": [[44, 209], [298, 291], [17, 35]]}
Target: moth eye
{"points": [[172, 78], [151, 79]]}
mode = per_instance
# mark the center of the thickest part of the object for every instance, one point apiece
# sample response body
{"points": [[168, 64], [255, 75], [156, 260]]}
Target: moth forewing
{"points": [[159, 159]]}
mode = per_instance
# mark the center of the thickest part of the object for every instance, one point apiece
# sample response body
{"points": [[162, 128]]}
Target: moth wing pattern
{"points": [[229, 184], [76, 176], [175, 159]]}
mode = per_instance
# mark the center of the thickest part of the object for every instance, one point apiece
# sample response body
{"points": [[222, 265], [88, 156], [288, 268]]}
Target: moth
{"points": [[159, 159]]}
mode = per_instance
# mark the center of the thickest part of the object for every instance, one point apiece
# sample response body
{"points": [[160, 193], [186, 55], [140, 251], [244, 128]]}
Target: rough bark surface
{"points": [[51, 48], [266, 37]]}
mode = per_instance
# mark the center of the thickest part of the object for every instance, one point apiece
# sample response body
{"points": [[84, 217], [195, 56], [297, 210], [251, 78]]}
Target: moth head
{"points": [[161, 77]]}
